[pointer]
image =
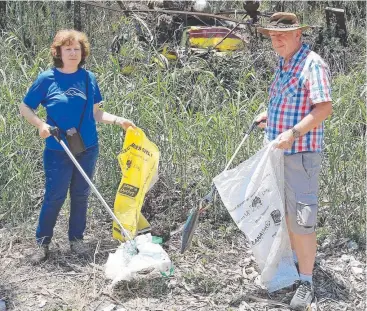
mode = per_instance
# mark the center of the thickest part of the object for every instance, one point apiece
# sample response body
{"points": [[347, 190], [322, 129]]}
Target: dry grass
{"points": [[207, 277]]}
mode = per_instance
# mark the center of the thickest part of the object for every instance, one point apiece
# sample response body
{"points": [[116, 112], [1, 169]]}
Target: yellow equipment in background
{"points": [[219, 37], [138, 160]]}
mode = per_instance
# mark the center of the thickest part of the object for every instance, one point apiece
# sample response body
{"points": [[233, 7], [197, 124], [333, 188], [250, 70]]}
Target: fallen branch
{"points": [[248, 22]]}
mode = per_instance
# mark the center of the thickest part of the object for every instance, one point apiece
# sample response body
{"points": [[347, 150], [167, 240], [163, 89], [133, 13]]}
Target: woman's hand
{"points": [[124, 123], [32, 118], [44, 130]]}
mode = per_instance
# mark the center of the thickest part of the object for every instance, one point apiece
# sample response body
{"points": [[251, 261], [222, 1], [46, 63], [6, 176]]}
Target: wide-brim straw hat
{"points": [[282, 21]]}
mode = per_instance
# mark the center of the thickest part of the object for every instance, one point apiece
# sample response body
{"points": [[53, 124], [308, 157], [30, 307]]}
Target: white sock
{"points": [[295, 256], [305, 277]]}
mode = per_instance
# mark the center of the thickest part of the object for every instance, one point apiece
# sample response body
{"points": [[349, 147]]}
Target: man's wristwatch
{"points": [[296, 134]]}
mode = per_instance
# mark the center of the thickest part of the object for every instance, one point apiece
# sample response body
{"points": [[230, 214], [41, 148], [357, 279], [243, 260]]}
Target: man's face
{"points": [[71, 54], [285, 42]]}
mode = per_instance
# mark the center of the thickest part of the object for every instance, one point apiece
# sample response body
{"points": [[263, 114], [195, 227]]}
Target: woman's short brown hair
{"points": [[66, 37]]}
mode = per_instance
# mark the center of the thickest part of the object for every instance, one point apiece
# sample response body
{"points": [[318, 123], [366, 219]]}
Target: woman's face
{"points": [[71, 54]]}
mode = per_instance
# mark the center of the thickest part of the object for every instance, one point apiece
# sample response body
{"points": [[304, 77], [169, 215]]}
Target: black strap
{"points": [[85, 106], [86, 102]]}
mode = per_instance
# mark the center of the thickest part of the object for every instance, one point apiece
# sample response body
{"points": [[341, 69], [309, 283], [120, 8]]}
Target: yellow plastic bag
{"points": [[138, 160]]}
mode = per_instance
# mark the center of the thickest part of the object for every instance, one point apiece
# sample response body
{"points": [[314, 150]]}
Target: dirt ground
{"points": [[217, 273]]}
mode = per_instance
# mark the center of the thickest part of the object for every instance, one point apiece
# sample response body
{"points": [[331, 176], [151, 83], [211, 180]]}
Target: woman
{"points": [[71, 97]]}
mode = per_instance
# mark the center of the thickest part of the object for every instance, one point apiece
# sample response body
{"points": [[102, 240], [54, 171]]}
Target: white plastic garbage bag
{"points": [[124, 264], [253, 193]]}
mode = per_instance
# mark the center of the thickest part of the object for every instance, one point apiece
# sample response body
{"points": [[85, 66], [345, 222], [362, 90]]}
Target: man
{"points": [[299, 102]]}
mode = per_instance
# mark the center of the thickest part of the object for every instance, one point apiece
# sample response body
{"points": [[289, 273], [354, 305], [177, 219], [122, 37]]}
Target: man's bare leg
{"points": [[291, 240], [290, 233], [305, 247]]}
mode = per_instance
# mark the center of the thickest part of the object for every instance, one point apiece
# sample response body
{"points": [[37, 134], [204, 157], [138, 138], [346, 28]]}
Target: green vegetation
{"points": [[195, 112]]}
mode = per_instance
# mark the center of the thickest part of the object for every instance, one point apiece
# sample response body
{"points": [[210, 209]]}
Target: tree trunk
{"points": [[2, 15], [278, 6], [336, 17], [77, 16]]}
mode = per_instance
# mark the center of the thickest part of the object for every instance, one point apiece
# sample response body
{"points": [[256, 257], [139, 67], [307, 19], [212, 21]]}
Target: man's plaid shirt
{"points": [[296, 88]]}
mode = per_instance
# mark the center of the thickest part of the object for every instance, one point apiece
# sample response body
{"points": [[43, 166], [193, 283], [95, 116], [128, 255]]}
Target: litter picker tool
{"points": [[193, 218], [55, 132]]}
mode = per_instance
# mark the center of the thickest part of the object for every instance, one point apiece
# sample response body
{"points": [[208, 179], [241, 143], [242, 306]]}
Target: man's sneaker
{"points": [[303, 296], [39, 255], [79, 248]]}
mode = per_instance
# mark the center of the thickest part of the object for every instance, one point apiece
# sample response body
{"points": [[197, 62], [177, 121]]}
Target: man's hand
{"points": [[44, 130], [124, 123], [262, 117], [285, 140]]}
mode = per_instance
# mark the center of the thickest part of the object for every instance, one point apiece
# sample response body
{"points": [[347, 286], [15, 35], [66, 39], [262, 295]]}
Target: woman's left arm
{"points": [[108, 118]]}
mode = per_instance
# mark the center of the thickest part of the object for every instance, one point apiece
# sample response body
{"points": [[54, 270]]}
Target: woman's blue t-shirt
{"points": [[63, 96]]}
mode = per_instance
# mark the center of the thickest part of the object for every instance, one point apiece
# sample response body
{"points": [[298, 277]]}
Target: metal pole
{"points": [[240, 145], [94, 189]]}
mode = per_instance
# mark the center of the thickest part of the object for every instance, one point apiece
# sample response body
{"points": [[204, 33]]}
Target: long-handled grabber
{"points": [[55, 132], [193, 218]]}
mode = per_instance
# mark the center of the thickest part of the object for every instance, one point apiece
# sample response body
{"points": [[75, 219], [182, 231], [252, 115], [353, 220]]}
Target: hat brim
{"points": [[265, 30]]}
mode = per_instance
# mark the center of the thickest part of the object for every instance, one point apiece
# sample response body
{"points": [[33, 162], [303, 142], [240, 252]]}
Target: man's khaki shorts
{"points": [[301, 174]]}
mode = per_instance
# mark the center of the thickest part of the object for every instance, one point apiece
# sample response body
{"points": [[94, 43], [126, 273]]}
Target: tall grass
{"points": [[344, 174], [195, 112]]}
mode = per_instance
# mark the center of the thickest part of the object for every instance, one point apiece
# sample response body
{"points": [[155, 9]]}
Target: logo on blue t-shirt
{"points": [[75, 92]]}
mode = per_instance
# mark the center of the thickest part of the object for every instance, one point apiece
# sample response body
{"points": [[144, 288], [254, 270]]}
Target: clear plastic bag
{"points": [[124, 265]]}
